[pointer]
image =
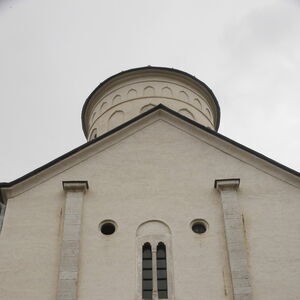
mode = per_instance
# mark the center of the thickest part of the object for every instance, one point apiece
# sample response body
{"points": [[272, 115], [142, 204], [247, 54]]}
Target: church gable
{"points": [[158, 168], [159, 206], [164, 115]]}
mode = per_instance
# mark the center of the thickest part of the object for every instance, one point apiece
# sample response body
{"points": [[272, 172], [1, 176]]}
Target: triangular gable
{"points": [[160, 111]]}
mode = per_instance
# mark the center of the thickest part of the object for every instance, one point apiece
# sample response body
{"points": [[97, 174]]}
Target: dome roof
{"points": [[125, 95]]}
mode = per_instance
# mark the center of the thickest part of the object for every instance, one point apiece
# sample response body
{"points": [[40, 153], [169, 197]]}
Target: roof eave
{"points": [[116, 129]]}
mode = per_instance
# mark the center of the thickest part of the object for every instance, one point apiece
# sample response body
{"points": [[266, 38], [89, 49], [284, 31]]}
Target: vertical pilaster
{"points": [[235, 238], [69, 260]]}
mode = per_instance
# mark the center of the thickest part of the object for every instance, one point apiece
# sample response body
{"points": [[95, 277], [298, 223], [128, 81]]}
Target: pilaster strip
{"points": [[69, 260], [235, 238]]}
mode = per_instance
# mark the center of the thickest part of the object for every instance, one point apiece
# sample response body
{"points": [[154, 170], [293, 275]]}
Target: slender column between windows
{"points": [[235, 238], [154, 272], [69, 260]]}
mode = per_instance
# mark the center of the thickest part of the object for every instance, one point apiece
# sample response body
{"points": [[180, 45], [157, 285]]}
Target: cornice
{"points": [[225, 184]]}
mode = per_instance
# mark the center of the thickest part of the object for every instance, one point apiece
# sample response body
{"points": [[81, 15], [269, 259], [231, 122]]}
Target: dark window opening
{"points": [[162, 280], [199, 227], [108, 228], [147, 272]]}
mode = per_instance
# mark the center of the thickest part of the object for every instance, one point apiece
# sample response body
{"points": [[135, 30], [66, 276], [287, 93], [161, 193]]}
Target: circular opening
{"points": [[107, 228], [199, 226]]}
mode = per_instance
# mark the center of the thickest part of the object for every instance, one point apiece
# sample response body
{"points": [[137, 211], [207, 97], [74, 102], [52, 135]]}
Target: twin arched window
{"points": [[154, 261], [154, 270]]}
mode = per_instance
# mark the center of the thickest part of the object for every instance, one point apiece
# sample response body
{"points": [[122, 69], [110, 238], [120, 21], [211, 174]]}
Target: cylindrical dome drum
{"points": [[130, 93]]}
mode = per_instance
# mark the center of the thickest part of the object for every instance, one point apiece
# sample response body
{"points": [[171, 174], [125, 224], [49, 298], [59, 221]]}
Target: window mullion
{"points": [[154, 274]]}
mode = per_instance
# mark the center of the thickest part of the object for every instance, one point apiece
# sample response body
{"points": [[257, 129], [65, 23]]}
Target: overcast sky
{"points": [[54, 53]]}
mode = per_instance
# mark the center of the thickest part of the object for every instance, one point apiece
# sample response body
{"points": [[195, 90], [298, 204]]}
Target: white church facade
{"points": [[156, 205]]}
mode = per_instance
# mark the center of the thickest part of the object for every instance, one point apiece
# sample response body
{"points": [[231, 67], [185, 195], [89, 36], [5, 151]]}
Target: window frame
{"points": [[154, 240]]}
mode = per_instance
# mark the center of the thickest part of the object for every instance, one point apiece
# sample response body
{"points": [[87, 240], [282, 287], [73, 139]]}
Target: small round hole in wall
{"points": [[107, 227], [199, 226]]}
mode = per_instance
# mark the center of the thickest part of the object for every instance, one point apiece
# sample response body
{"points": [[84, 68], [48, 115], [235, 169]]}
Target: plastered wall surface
{"points": [[161, 172], [30, 244]]}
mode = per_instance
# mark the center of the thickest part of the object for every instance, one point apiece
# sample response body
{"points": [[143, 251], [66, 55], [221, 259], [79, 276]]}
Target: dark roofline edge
{"points": [[150, 68], [118, 128]]}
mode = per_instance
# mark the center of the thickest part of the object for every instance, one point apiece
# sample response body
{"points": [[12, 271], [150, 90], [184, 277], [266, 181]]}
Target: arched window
{"points": [[147, 285], [154, 261], [161, 266]]}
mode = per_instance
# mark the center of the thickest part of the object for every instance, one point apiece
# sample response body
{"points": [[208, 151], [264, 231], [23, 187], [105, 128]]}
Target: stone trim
{"points": [[75, 185], [231, 183], [235, 239], [69, 259]]}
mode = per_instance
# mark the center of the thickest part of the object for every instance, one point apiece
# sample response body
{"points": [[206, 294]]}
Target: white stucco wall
{"points": [[163, 172]]}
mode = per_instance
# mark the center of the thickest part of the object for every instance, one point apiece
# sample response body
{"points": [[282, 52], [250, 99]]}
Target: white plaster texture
{"points": [[158, 168]]}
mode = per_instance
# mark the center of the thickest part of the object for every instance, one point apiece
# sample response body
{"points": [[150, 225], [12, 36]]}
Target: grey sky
{"points": [[54, 53]]}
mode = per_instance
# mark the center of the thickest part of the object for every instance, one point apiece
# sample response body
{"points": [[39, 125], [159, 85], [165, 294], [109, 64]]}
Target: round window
{"points": [[199, 226], [107, 227]]}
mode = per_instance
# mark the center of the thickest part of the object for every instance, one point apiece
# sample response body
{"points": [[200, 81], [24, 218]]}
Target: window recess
{"points": [[161, 263], [154, 262], [147, 272]]}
